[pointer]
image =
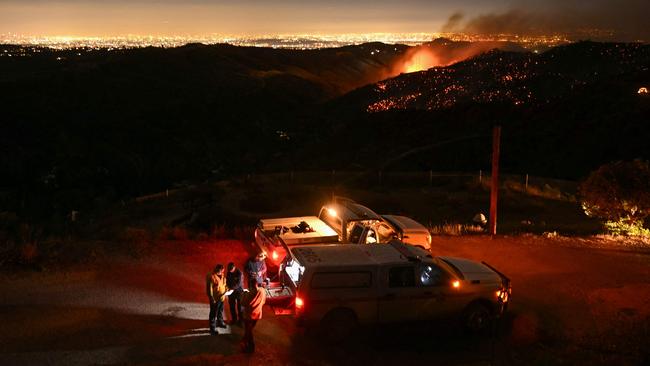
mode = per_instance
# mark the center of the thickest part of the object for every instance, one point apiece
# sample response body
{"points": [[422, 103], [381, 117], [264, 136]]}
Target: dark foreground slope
{"points": [[81, 124], [80, 127]]}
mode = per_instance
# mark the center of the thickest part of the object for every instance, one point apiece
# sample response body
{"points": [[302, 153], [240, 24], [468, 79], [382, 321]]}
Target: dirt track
{"points": [[571, 305]]}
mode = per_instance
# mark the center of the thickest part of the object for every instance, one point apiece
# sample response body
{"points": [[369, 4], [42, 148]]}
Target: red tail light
{"points": [[274, 255], [300, 303]]}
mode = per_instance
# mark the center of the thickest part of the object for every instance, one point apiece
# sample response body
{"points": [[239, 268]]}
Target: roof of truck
{"points": [[352, 211], [355, 254], [404, 222]]}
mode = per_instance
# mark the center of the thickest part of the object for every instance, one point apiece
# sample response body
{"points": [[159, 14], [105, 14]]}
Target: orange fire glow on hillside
{"points": [[438, 54], [421, 59]]}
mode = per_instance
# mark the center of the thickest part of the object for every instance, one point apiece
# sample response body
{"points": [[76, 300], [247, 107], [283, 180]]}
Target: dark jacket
{"points": [[256, 270], [235, 280]]}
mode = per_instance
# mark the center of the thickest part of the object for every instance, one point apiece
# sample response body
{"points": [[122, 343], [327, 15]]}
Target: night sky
{"points": [[626, 18]]}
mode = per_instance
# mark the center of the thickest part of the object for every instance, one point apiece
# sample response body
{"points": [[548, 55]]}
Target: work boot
{"points": [[214, 332], [222, 325]]}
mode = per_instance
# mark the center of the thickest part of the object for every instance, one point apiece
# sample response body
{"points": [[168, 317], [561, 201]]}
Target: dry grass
{"points": [[455, 229], [138, 240], [29, 253]]}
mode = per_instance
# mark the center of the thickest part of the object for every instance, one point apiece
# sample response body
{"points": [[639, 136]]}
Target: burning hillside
{"points": [[504, 77], [444, 52]]}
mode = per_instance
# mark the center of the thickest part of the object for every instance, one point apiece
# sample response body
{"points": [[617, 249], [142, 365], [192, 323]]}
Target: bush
{"points": [[619, 193], [139, 240], [455, 229]]}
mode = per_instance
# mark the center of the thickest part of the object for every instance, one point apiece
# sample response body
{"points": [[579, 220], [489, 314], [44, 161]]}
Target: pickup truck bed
{"points": [[319, 231]]}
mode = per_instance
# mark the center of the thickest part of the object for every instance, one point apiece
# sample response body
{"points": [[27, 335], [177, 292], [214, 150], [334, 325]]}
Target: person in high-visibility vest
{"points": [[253, 301], [215, 286]]}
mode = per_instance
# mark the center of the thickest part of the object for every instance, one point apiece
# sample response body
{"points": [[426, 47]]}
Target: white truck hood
{"points": [[473, 271]]}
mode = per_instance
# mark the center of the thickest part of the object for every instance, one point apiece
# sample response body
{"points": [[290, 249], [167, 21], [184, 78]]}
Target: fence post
{"points": [[526, 185], [494, 189]]}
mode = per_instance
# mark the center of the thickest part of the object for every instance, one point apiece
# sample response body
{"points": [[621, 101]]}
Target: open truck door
{"points": [[281, 293]]}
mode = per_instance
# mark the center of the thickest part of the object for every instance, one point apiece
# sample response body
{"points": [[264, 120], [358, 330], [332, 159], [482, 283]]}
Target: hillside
{"points": [[112, 123], [83, 128], [564, 112]]}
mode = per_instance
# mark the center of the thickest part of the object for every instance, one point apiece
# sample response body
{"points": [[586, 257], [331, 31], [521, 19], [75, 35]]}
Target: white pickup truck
{"points": [[292, 231], [338, 287], [358, 224], [342, 221]]}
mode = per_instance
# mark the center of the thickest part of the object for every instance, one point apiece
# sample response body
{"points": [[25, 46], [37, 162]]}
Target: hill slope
{"points": [[564, 112]]}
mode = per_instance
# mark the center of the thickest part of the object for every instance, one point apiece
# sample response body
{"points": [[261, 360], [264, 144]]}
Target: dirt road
{"points": [[572, 305]]}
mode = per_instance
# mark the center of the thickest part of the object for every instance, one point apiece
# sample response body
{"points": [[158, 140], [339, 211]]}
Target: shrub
{"points": [[138, 240], [455, 229], [180, 233], [618, 193], [28, 253]]}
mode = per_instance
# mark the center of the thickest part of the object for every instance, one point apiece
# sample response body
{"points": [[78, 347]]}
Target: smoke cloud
{"points": [[624, 20]]}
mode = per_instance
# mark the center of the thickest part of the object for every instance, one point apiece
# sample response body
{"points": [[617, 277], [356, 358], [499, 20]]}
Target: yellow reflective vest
{"points": [[215, 287]]}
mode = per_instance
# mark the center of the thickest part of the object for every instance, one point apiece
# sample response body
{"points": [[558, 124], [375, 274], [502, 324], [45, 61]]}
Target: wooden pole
{"points": [[526, 182], [494, 189]]}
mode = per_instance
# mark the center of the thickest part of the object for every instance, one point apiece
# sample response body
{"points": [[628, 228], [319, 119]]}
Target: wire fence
{"points": [[550, 188], [407, 178]]}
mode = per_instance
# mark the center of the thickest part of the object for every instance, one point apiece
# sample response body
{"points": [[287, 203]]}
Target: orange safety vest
{"points": [[253, 303], [216, 287]]}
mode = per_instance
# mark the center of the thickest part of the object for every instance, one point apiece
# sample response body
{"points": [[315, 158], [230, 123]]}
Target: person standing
{"points": [[256, 269], [253, 301], [235, 282], [216, 289]]}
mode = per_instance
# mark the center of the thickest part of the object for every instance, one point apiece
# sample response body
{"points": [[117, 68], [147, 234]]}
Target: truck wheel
{"points": [[338, 325], [477, 317]]}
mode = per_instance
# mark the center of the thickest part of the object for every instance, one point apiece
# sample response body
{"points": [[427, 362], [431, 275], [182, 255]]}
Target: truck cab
{"points": [[355, 223], [409, 231], [358, 224]]}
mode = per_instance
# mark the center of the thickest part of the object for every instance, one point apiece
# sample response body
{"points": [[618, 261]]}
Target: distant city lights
{"points": [[301, 41]]}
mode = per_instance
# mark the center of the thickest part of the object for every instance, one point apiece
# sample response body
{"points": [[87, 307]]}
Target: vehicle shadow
{"points": [[443, 341]]}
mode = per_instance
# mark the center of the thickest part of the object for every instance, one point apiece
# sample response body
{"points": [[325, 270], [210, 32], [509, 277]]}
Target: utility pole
{"points": [[494, 189]]}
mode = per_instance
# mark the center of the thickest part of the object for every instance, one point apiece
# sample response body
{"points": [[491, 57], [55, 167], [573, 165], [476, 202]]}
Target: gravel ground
{"points": [[575, 301]]}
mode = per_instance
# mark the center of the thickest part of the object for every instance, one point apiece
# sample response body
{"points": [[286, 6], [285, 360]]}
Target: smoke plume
{"points": [[623, 20]]}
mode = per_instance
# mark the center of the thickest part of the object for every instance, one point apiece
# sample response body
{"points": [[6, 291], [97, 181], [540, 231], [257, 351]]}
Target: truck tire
{"points": [[338, 325], [477, 317]]}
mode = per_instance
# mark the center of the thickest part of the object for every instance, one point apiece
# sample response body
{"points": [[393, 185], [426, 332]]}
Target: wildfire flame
{"points": [[421, 59], [436, 54]]}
